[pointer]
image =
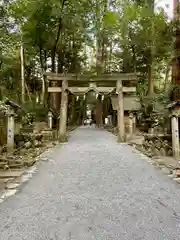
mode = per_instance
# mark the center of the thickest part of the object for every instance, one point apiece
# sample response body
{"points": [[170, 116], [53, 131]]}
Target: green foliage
{"points": [[121, 36], [154, 111], [28, 119], [34, 112]]}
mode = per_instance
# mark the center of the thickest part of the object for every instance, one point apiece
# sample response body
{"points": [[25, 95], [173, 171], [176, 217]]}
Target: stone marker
{"points": [[10, 131]]}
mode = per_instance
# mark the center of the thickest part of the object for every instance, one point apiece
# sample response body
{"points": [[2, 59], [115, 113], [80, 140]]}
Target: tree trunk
{"points": [[22, 75], [73, 112], [151, 53], [84, 110], [54, 48], [98, 38], [60, 62], [54, 96], [125, 61], [43, 90], [166, 76], [134, 58], [63, 113], [99, 121], [176, 69], [110, 57], [53, 58], [27, 89], [43, 62], [150, 81], [1, 62]]}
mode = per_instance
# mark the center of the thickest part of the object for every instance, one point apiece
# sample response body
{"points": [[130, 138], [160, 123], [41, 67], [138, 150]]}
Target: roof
{"points": [[173, 104], [12, 104]]}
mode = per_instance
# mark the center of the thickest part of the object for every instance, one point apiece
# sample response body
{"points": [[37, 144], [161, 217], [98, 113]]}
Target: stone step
{"points": [[11, 173], [11, 165]]}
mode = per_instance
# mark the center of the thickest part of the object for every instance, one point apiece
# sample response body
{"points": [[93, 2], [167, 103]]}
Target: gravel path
{"points": [[93, 188]]}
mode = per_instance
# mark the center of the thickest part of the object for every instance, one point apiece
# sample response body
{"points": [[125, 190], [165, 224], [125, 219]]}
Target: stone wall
{"points": [[158, 145]]}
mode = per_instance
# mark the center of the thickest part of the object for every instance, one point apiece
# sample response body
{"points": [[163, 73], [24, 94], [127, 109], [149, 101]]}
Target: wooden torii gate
{"points": [[82, 84]]}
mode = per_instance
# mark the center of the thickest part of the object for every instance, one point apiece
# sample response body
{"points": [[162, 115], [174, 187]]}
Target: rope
{"points": [[165, 144]]}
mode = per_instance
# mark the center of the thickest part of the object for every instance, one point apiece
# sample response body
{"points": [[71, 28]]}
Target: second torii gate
{"points": [[101, 84]]}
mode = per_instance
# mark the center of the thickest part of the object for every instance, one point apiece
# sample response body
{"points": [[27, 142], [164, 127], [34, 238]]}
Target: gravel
{"points": [[93, 188]]}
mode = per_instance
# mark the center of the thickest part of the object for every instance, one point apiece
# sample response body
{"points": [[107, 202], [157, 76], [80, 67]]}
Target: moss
{"points": [[63, 139]]}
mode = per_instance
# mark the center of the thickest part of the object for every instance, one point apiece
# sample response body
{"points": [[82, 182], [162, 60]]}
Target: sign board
{"points": [[130, 103]]}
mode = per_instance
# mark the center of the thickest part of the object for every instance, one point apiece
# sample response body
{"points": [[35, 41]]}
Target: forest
{"points": [[83, 36], [78, 36]]}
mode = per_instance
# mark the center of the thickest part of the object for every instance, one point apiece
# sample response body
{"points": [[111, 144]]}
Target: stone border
{"points": [[170, 170], [12, 185]]}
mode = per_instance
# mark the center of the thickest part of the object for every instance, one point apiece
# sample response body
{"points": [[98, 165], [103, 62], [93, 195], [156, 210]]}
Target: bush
{"points": [[34, 113]]}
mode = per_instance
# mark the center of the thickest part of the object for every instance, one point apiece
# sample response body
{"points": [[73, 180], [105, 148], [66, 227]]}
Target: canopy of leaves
{"points": [[77, 36]]}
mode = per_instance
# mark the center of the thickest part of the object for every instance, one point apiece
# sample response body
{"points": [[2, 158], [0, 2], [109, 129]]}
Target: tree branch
{"points": [[59, 28], [1, 62]]}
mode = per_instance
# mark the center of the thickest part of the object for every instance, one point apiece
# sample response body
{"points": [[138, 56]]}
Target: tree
{"points": [[58, 36]]}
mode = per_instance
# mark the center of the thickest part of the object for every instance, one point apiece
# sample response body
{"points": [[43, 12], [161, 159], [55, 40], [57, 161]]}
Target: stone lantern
{"points": [[174, 114], [12, 107], [50, 119]]}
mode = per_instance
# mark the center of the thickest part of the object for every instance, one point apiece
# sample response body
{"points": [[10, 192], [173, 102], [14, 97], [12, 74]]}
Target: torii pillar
{"points": [[120, 112], [63, 112]]}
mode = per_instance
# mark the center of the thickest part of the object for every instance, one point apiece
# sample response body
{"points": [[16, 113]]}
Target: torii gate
{"points": [[82, 84]]}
